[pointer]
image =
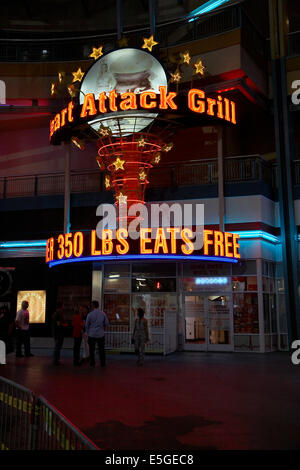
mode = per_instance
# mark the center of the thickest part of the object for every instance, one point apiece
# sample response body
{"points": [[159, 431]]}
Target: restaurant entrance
{"points": [[208, 322]]}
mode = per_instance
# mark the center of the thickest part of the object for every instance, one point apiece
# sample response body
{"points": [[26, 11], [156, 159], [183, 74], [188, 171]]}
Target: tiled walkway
{"points": [[183, 401]]}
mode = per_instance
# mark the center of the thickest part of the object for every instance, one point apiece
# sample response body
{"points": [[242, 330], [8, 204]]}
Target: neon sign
{"points": [[163, 242], [197, 102]]}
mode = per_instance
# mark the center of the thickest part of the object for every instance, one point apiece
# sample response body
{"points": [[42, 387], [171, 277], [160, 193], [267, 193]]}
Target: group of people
{"points": [[87, 329]]}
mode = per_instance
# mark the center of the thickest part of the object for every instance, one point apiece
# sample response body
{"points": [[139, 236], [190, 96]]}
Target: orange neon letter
{"points": [[49, 250], [220, 107], [122, 234], [78, 244], [173, 231], [160, 241], [61, 244], [143, 99], [94, 252], [88, 107], [188, 248], [129, 101], [227, 110], [112, 100], [102, 98], [70, 111], [144, 240], [199, 106], [107, 244], [233, 114], [68, 245], [207, 241], [52, 129], [57, 122], [228, 244], [219, 243], [210, 106], [166, 100], [236, 245], [63, 116]]}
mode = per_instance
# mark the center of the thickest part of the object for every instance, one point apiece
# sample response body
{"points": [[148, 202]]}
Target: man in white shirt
{"points": [[22, 331]]}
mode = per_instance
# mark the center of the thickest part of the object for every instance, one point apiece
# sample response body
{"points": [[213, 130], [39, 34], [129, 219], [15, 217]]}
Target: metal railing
{"points": [[174, 32], [32, 423], [203, 172]]}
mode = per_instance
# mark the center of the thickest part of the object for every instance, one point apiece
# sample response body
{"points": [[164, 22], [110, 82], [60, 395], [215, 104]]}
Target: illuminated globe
{"points": [[123, 70]]}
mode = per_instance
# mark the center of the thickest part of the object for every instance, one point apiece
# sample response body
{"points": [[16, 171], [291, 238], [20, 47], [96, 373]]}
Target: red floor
{"points": [[183, 401]]}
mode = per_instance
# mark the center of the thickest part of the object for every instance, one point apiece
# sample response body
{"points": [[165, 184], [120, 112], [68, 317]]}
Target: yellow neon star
{"points": [[167, 147], [99, 163], [107, 182], [142, 175], [199, 67], [141, 142], [96, 52], [186, 58], [149, 43], [175, 77], [61, 76], [72, 91], [123, 42], [53, 89], [121, 198], [157, 158], [79, 143], [104, 131], [119, 164], [78, 75]]}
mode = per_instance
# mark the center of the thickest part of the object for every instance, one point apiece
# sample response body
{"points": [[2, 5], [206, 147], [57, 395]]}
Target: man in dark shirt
{"points": [[59, 324]]}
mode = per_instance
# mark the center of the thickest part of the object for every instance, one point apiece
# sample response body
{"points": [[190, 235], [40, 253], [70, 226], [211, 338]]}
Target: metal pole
{"points": [[283, 129], [67, 188], [220, 180], [120, 18], [152, 16]]}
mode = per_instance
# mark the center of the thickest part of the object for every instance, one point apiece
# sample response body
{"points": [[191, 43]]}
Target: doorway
{"points": [[208, 324]]}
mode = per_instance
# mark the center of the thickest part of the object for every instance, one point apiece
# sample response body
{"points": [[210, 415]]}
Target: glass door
{"points": [[208, 322]]}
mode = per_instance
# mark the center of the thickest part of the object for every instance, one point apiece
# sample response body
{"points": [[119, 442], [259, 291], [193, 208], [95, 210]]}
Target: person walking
{"points": [[59, 324], [22, 331], [95, 325], [78, 324], [140, 336]]}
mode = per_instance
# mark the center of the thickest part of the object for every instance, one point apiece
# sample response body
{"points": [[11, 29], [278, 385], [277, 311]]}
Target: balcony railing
{"points": [[205, 172], [175, 32]]}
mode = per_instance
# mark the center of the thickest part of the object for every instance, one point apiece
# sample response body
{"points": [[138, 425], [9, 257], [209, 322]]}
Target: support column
{"points": [[120, 18], [221, 180], [97, 285], [261, 321], [67, 224], [283, 131]]}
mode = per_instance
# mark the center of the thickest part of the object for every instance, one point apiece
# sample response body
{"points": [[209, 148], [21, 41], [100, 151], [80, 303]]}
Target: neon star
{"points": [[96, 52], [78, 75], [142, 175], [119, 164], [167, 147], [104, 131], [175, 77], [107, 182], [186, 58], [61, 76], [149, 43], [99, 163], [53, 89], [199, 67], [141, 142], [121, 198], [72, 91], [157, 158]]}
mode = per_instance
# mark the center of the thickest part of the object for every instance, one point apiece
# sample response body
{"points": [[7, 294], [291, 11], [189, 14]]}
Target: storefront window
{"points": [[244, 268], [117, 308], [266, 301], [245, 311], [243, 283], [208, 284], [154, 269], [155, 306], [117, 284], [119, 269], [157, 284], [219, 319], [206, 269]]}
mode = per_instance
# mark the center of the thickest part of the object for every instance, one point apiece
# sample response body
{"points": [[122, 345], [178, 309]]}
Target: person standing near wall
{"points": [[95, 325], [140, 336], [22, 331], [59, 324]]}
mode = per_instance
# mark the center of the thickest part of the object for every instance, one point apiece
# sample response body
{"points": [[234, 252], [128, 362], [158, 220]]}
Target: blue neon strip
{"points": [[258, 234], [23, 244], [138, 257], [205, 8]]}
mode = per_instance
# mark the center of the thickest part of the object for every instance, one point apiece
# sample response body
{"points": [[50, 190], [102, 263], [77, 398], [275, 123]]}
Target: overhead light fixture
{"points": [[205, 8]]}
